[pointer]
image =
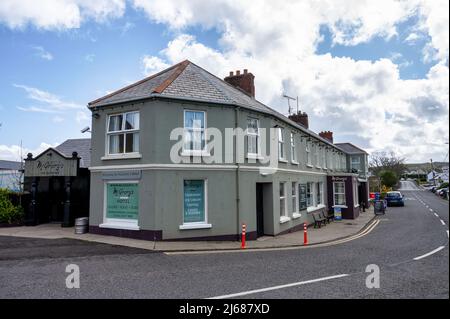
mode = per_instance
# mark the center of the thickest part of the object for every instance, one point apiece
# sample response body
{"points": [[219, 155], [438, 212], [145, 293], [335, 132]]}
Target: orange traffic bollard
{"points": [[244, 228], [305, 234]]}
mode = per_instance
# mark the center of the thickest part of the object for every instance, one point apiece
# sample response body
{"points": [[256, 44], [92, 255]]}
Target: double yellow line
{"points": [[371, 226]]}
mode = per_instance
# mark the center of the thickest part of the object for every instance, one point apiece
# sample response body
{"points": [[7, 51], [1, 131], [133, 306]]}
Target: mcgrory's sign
{"points": [[51, 163]]}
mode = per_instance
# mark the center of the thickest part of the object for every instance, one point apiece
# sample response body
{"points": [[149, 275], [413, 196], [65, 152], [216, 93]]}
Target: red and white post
{"points": [[244, 229], [305, 234]]}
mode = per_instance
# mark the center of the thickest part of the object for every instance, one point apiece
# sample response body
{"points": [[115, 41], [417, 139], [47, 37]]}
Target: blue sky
{"points": [[49, 66]]}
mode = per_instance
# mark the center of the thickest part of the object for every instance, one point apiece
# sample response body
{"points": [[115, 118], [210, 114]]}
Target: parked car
{"points": [[442, 192], [394, 199]]}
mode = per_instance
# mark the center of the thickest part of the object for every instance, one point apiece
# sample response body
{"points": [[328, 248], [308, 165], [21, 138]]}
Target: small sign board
{"points": [[337, 213], [51, 163], [131, 175]]}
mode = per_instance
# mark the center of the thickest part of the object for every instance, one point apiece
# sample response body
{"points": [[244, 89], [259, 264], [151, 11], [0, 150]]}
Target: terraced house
{"points": [[139, 191]]}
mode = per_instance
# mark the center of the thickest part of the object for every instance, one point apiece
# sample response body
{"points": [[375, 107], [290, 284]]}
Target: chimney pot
{"points": [[328, 135], [300, 118], [245, 81]]}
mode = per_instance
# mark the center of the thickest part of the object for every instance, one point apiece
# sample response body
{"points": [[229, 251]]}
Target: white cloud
{"points": [[153, 64], [57, 119], [412, 38], [89, 57], [13, 152], [360, 100], [50, 102], [42, 53], [57, 14], [82, 117]]}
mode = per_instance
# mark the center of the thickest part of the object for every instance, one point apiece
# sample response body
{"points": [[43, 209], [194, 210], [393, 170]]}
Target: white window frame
{"points": [[202, 224], [316, 155], [334, 195], [123, 132], [310, 185], [283, 215], [116, 223], [308, 154], [355, 195], [319, 198], [294, 198], [324, 158], [294, 157], [256, 135], [204, 151], [358, 162], [281, 145]]}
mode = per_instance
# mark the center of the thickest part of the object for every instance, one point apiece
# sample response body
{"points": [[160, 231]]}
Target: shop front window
{"points": [[339, 193]]}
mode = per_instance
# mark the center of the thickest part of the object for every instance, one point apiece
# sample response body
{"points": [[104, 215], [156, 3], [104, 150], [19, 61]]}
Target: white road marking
{"points": [[442, 222], [447, 233], [430, 253], [249, 292], [431, 210], [436, 215]]}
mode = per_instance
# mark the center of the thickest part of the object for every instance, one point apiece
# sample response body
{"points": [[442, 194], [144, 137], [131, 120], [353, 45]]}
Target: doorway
{"points": [[56, 196], [259, 209]]}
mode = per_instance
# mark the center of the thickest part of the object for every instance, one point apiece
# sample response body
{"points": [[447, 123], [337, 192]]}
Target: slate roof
{"points": [[81, 145], [349, 148], [10, 165], [188, 81]]}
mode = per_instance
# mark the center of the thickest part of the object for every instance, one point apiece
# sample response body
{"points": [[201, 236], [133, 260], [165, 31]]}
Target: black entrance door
{"points": [[56, 199], [259, 209]]}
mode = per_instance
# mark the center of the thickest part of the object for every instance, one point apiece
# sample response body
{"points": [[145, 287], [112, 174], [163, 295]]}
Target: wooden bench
{"points": [[329, 217], [318, 220]]}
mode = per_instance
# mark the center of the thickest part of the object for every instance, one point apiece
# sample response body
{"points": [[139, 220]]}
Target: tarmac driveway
{"points": [[16, 248]]}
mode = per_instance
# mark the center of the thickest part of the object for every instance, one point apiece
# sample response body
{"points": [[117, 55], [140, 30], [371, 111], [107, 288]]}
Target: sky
{"points": [[374, 72]]}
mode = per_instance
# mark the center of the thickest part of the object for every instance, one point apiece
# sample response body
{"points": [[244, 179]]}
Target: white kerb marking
{"points": [[430, 253], [249, 292], [442, 222]]}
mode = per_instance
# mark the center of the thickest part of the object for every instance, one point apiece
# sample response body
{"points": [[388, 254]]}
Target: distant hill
{"points": [[426, 166]]}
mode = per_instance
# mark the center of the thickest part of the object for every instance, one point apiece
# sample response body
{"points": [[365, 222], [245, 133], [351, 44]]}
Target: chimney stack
{"points": [[245, 81], [300, 118], [328, 135]]}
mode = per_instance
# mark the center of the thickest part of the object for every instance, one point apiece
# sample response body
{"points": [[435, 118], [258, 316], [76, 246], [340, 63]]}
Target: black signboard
{"points": [[302, 196]]}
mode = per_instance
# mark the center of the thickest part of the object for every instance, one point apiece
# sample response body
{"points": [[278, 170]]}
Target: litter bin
{"points": [[379, 207], [81, 225]]}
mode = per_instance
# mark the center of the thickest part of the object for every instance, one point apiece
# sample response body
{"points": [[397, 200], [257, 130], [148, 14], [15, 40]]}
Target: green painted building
{"points": [[185, 155]]}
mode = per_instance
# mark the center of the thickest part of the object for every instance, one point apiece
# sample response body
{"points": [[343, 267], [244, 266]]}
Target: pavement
{"points": [[409, 246], [336, 231]]}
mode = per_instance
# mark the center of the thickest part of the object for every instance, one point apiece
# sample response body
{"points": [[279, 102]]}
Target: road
{"points": [[409, 245]]}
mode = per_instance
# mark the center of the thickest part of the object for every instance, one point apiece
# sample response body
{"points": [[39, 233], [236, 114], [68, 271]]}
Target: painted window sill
{"points": [[295, 162], [121, 156], [127, 226], [296, 215], [255, 156], [195, 226], [282, 160], [314, 208], [309, 165], [339, 206], [196, 153], [284, 219]]}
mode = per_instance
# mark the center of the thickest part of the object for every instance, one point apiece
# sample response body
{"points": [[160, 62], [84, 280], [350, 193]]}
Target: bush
{"points": [[388, 178], [9, 213], [443, 185]]}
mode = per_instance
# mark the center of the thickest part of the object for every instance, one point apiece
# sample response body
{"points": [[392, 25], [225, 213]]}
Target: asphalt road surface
{"points": [[409, 245]]}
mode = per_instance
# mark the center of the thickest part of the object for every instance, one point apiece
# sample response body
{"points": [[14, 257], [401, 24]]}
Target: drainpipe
{"points": [[238, 214]]}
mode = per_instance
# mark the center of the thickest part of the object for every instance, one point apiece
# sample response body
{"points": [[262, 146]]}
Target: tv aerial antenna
{"points": [[289, 98]]}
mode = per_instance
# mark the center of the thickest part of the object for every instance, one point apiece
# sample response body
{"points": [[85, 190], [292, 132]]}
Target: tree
{"points": [[381, 161], [388, 178]]}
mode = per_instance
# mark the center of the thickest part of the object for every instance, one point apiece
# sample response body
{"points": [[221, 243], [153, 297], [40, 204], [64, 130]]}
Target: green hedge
{"points": [[9, 214]]}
